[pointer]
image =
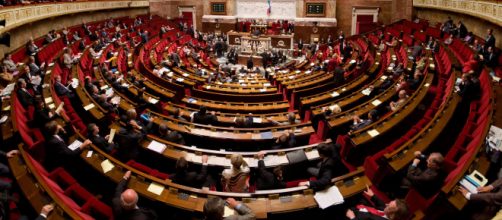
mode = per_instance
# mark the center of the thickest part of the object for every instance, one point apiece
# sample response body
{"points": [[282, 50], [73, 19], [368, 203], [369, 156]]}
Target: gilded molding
{"points": [[489, 11], [17, 16]]}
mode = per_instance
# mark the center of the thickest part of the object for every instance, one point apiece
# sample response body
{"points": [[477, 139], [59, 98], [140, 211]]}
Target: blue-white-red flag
{"points": [[269, 10]]}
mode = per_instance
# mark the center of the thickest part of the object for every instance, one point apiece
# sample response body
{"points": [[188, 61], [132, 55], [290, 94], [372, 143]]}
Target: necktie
{"points": [[371, 210]]}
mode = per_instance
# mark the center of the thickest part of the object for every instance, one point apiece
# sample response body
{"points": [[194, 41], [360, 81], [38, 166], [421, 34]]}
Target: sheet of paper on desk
{"points": [[51, 106], [106, 165], [373, 132], [104, 87], [74, 83], [155, 188], [376, 102], [115, 100], [215, 160], [312, 155], [251, 161], [153, 101], [6, 108], [194, 158], [257, 120], [76, 144], [335, 94], [89, 107], [366, 91], [157, 146], [59, 108], [109, 92], [3, 119], [273, 160], [228, 212], [328, 197], [267, 135]]}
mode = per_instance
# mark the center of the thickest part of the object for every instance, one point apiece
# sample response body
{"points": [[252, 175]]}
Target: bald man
{"points": [[125, 203], [427, 181]]}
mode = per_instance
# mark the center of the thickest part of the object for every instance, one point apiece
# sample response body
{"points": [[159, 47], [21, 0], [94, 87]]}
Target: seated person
{"points": [[9, 64], [62, 90], [190, 178], [415, 82], [291, 120], [58, 153], [394, 106], [25, 97], [171, 136], [202, 117], [239, 167], [426, 181], [106, 104], [98, 140], [177, 115], [244, 122], [323, 171], [468, 88], [395, 210], [487, 200], [214, 208], [286, 140], [265, 179], [42, 114], [361, 123]]}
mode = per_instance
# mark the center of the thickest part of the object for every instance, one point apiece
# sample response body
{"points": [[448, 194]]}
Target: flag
{"points": [[269, 10]]}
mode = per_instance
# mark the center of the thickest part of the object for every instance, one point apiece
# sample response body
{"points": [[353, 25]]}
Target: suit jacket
{"points": [[41, 117], [192, 179], [61, 89], [266, 179], [135, 214], [175, 137], [490, 198], [243, 213], [204, 119], [101, 142], [427, 181], [25, 98], [58, 153], [379, 205], [324, 176]]}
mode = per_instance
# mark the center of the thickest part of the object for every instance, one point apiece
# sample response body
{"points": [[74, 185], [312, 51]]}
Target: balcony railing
{"points": [[15, 16], [487, 10]]}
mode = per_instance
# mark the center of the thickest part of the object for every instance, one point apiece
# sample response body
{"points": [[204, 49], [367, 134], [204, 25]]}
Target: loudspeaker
{"points": [[5, 39]]}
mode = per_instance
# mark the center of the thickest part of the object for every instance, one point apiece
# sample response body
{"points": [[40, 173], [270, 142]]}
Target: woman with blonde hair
{"points": [[236, 179]]}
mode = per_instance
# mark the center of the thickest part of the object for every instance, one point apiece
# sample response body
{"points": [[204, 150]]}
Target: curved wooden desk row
{"points": [[262, 107], [351, 100], [225, 133], [221, 158], [388, 122], [229, 118], [340, 91], [35, 188], [216, 96], [261, 202], [399, 158]]}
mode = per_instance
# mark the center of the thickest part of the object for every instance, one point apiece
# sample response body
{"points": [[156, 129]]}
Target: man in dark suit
{"points": [[286, 140], [98, 140], [215, 206], [426, 181], [172, 136], [488, 199], [61, 89], [300, 44], [268, 180], [42, 114], [202, 117], [490, 39], [394, 210], [339, 75], [58, 153], [323, 172], [190, 178], [25, 97], [125, 203], [468, 90], [250, 63]]}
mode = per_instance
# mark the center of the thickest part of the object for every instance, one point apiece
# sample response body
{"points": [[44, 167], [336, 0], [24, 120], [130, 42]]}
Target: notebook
{"points": [[296, 156]]}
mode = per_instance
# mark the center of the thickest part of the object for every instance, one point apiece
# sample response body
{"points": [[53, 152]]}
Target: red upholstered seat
{"points": [[97, 209]]}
